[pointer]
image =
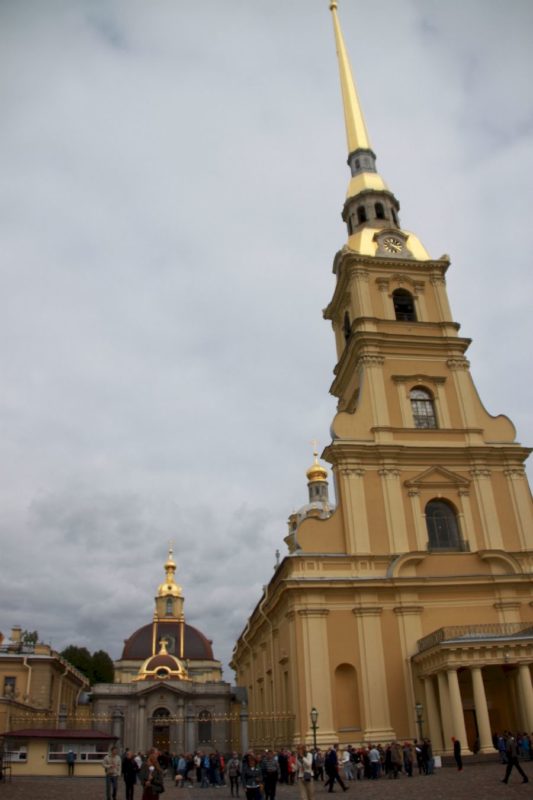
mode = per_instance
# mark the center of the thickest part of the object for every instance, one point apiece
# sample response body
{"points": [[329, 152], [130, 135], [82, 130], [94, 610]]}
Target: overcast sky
{"points": [[172, 178]]}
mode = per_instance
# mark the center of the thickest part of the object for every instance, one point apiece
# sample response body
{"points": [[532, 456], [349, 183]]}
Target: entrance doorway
{"points": [[161, 729]]}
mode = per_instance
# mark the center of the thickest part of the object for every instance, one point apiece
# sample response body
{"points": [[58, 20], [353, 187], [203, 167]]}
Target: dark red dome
{"points": [[139, 645]]}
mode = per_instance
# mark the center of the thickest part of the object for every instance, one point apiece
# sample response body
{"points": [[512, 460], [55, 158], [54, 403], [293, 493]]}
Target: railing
{"points": [[506, 630]]}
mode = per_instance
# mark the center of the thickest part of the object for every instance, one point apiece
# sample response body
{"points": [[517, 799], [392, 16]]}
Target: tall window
{"points": [[380, 211], [423, 408], [168, 608], [361, 214], [443, 532], [347, 326], [404, 305]]}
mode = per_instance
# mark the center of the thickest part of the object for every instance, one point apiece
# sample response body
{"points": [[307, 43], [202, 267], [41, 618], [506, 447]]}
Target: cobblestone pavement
{"points": [[476, 782]]}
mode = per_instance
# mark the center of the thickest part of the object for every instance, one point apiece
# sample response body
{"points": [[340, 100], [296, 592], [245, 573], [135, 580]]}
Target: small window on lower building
{"points": [[10, 685], [423, 408]]}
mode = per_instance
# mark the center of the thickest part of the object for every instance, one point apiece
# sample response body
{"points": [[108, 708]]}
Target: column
{"points": [[482, 711], [521, 501], [444, 700], [468, 531], [487, 508], [377, 723], [465, 390], [392, 493], [141, 730], [372, 363], [441, 405], [422, 313], [526, 694], [421, 530], [356, 517], [439, 284], [403, 401], [316, 666], [387, 305], [432, 712], [456, 707], [190, 720], [243, 718], [363, 296]]}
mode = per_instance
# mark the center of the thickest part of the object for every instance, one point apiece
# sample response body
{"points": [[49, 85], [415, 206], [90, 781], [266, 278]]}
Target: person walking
{"points": [[457, 753], [331, 765], [234, 773], [129, 773], [271, 774], [512, 761]]}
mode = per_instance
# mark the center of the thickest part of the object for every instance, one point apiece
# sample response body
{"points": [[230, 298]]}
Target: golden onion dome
{"points": [[316, 471], [169, 587]]}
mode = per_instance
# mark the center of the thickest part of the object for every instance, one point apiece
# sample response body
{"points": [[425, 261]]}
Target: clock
{"points": [[392, 245]]}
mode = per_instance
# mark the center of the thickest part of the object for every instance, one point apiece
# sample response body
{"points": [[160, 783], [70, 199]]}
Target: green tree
{"points": [[29, 637], [97, 668], [103, 669], [80, 658]]}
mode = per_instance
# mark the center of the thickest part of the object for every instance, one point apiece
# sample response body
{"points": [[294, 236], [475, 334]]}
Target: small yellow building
{"points": [[408, 610], [43, 712]]}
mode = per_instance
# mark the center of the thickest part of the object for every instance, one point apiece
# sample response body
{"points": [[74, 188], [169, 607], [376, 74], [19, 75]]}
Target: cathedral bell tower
{"points": [[415, 592], [410, 427]]}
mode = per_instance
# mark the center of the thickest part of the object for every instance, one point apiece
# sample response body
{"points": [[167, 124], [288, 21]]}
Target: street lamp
{"points": [[419, 708], [314, 720]]}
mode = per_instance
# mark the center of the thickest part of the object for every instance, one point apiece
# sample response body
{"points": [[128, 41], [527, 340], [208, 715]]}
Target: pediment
{"points": [[438, 477]]}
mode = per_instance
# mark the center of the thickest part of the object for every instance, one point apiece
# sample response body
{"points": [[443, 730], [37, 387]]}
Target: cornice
{"points": [[345, 454]]}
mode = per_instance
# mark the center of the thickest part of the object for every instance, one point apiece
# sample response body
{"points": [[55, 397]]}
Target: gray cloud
{"points": [[173, 176]]}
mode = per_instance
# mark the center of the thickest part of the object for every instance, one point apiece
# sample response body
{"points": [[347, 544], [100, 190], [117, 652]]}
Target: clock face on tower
{"points": [[392, 245]]}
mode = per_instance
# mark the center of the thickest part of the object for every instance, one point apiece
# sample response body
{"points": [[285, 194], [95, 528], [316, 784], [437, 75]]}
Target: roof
{"points": [[196, 645], [57, 733]]}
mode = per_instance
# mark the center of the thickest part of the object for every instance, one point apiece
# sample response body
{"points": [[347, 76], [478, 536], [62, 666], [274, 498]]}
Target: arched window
{"points": [[443, 531], [380, 211], [394, 217], [350, 226], [361, 214], [168, 607], [204, 727], [423, 408], [347, 326], [404, 305]]}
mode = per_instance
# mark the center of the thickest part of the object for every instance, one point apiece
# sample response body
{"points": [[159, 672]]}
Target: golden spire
{"points": [[169, 587], [356, 132], [316, 471]]}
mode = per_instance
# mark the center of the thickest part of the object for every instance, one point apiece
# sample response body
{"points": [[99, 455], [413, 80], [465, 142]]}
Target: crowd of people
{"points": [[259, 774]]}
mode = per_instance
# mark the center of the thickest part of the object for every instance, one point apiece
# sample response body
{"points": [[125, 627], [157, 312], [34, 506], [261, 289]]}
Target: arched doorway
{"points": [[161, 729]]}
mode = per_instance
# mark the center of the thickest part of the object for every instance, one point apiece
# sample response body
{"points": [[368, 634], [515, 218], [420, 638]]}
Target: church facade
{"points": [[406, 611], [168, 690]]}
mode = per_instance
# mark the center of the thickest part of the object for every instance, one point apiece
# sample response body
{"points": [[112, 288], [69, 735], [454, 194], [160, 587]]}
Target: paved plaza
{"points": [[476, 782]]}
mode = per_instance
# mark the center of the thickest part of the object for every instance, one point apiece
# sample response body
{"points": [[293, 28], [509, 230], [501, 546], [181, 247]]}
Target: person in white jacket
{"points": [[304, 775]]}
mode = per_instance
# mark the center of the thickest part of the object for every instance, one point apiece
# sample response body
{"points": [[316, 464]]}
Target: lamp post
{"points": [[419, 708], [314, 720]]}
